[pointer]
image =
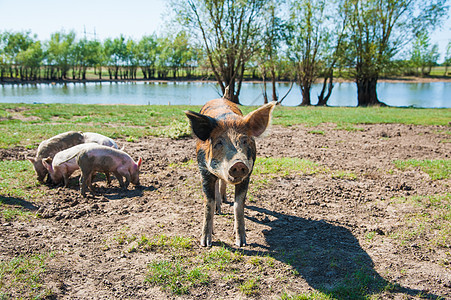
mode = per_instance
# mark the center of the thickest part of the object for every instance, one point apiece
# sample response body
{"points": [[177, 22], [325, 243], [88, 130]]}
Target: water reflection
{"points": [[433, 94]]}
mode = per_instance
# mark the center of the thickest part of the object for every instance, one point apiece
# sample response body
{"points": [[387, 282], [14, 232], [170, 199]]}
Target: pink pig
{"points": [[63, 164], [98, 158]]}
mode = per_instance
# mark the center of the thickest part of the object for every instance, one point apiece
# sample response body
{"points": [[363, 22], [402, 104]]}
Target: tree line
{"points": [[65, 56], [302, 41]]}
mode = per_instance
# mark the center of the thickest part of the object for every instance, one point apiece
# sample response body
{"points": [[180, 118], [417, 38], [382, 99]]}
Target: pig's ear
{"points": [[140, 161], [258, 120], [47, 162], [202, 125]]}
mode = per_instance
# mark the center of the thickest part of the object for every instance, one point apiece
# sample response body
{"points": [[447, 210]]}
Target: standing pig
{"points": [[92, 137], [50, 147], [99, 158], [226, 153]]}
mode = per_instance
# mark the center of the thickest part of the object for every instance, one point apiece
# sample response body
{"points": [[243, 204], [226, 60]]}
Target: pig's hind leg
{"points": [[220, 194], [85, 181]]}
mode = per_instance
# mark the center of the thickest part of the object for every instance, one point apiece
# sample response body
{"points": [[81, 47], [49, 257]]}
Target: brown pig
{"points": [[99, 158], [50, 147], [226, 153]]}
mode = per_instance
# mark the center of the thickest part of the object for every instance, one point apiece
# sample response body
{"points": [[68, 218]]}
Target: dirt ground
{"points": [[316, 225]]}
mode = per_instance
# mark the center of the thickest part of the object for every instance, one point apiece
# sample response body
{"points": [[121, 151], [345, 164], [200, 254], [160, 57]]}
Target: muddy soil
{"points": [[317, 224]]}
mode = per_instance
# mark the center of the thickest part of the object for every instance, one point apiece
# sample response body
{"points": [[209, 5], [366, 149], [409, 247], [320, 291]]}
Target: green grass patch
{"points": [[22, 277], [306, 296], [221, 258], [284, 166], [344, 175], [358, 285], [174, 276], [164, 242], [29, 124], [17, 187], [429, 222], [436, 169], [250, 287], [345, 117]]}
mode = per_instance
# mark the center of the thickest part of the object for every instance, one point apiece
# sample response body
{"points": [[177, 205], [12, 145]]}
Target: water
{"points": [[427, 95]]}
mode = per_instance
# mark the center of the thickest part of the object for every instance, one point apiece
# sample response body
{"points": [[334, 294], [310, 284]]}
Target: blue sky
{"points": [[108, 18], [133, 18]]}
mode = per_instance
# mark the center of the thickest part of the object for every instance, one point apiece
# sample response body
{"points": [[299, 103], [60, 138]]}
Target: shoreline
{"points": [[406, 79]]}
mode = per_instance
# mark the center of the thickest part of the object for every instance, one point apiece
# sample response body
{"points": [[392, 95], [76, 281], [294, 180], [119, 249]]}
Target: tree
{"points": [[30, 61], [147, 55], [181, 53], [115, 55], [131, 58], [424, 55], [230, 31], [59, 53], [268, 56], [317, 32], [95, 56], [447, 61], [378, 29], [13, 44]]}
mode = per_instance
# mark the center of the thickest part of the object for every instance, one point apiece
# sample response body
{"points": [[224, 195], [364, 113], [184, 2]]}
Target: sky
{"points": [[105, 18], [109, 18]]}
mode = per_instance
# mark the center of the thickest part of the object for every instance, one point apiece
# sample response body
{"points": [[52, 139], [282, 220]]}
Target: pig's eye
{"points": [[218, 144]]}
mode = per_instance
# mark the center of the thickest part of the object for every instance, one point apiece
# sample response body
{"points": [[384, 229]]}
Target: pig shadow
{"points": [[327, 256], [112, 191], [13, 201]]}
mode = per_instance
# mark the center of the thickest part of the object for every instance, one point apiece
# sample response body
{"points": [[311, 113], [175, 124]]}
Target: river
{"points": [[425, 95]]}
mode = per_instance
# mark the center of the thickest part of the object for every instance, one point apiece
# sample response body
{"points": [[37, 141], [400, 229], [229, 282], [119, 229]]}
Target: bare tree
{"points": [[230, 31]]}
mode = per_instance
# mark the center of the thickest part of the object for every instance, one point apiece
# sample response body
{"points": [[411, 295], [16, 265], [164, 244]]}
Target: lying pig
{"points": [[226, 153], [92, 137], [99, 158], [50, 147]]}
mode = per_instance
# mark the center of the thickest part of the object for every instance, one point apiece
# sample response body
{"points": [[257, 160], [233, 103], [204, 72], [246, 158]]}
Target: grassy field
{"points": [[28, 124]]}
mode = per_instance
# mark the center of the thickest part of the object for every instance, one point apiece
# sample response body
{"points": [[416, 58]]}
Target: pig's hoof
{"points": [[205, 241], [241, 242]]}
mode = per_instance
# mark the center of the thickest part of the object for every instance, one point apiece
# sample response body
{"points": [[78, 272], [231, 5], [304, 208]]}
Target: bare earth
{"points": [[315, 225]]}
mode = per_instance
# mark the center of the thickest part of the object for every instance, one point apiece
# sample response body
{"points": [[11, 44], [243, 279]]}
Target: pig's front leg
{"points": [[238, 207], [119, 178], [208, 185]]}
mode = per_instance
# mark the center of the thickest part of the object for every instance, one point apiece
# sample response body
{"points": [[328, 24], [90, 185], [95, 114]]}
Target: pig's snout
{"points": [[238, 171]]}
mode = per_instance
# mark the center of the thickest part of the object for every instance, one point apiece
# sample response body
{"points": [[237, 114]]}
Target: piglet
{"points": [[92, 137], [63, 164], [99, 158], [52, 146]]}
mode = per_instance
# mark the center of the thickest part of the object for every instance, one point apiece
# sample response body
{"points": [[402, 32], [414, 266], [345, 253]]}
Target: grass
{"points": [[174, 277], [436, 169], [428, 223], [17, 178], [28, 124], [22, 277], [283, 166], [17, 187]]}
